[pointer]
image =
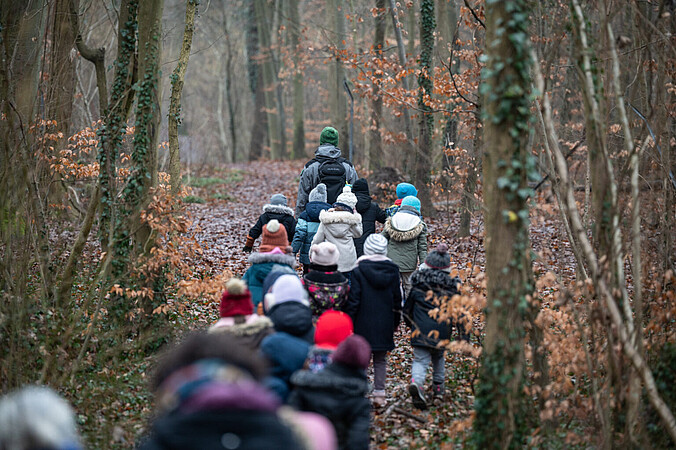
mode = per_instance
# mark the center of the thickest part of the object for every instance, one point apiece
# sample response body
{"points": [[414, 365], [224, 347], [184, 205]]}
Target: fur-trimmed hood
{"points": [[334, 377], [277, 258], [253, 325], [404, 235], [434, 279], [277, 209], [331, 216]]}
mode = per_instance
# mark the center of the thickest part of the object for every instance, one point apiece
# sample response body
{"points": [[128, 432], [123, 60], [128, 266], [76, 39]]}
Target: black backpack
{"points": [[333, 174]]}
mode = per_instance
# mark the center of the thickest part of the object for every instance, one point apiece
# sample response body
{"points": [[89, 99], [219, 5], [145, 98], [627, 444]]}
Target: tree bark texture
{"points": [[61, 67], [259, 127], [375, 139], [264, 23], [114, 125], [507, 163], [298, 144], [423, 155], [177, 80], [337, 95]]}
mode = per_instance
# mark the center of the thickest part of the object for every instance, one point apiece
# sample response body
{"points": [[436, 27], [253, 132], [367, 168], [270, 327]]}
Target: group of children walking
{"points": [[320, 332], [373, 278]]}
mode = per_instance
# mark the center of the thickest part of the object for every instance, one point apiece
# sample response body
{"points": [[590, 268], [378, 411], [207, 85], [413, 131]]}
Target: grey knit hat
{"points": [[375, 244], [318, 194], [439, 258], [278, 199]]}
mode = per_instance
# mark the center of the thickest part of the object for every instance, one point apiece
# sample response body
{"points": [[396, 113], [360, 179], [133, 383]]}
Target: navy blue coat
{"points": [[286, 354], [374, 302]]}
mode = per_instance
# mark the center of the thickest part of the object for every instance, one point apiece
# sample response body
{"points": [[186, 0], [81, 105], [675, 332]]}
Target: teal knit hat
{"points": [[329, 136]]}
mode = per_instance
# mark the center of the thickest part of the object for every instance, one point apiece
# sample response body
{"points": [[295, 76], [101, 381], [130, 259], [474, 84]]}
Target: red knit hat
{"points": [[236, 300], [274, 235], [332, 328]]}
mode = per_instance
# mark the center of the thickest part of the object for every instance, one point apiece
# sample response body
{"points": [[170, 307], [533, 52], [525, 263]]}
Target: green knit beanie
{"points": [[329, 136]]}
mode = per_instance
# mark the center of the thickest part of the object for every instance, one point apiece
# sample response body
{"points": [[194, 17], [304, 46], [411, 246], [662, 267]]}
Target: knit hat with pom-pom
{"points": [[318, 194], [354, 351], [236, 300], [439, 258], [347, 197], [274, 235]]}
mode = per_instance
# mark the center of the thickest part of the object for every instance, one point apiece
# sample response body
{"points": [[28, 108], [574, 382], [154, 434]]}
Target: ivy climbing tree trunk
{"points": [[423, 155], [298, 145], [114, 125], [506, 167], [136, 194], [176, 90]]}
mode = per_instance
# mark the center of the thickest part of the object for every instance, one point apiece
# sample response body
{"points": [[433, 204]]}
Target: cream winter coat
{"points": [[339, 228]]}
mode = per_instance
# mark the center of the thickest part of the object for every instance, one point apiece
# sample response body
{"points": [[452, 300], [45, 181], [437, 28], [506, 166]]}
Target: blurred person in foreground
{"points": [[338, 392], [208, 396], [36, 417]]}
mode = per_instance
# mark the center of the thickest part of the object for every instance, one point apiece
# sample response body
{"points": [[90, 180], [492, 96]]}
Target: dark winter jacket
{"points": [[306, 228], [309, 177], [374, 302], [370, 213], [286, 354], [406, 234], [417, 306], [295, 319], [199, 414], [205, 430], [283, 214], [261, 265], [338, 393], [326, 287]]}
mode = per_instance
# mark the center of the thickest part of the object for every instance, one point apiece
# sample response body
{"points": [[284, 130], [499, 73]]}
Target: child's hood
{"points": [[339, 223], [277, 209], [405, 220]]}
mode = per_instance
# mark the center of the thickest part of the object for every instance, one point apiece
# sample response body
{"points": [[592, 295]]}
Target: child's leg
{"points": [[421, 360], [438, 369], [379, 370]]}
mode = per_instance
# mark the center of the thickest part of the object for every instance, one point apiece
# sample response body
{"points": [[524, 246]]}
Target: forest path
{"points": [[221, 226]]}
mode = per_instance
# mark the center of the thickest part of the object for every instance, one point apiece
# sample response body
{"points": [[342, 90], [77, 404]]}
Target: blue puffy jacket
{"points": [[306, 228]]}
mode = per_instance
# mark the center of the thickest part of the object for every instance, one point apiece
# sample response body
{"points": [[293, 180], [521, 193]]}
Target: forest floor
{"points": [[233, 199]]}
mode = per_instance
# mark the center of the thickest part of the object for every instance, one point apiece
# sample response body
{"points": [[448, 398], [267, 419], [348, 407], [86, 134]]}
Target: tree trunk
{"points": [[61, 68], [263, 24], [298, 145], [409, 146], [259, 126], [176, 90], [114, 125], [423, 156], [136, 194], [507, 163], [468, 201], [337, 95], [375, 139]]}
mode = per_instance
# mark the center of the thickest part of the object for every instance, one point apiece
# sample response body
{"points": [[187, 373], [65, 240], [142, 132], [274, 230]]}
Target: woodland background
{"points": [[139, 139]]}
